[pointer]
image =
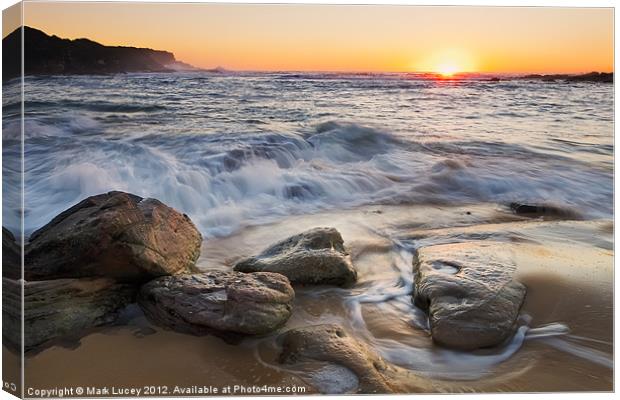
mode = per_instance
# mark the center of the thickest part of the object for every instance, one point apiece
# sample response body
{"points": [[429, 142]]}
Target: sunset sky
{"points": [[346, 38]]}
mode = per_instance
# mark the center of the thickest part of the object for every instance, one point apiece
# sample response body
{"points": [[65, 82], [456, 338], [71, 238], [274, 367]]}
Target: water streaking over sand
{"points": [[233, 150], [563, 343]]}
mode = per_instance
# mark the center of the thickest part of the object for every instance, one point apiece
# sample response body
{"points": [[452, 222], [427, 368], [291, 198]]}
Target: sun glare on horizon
{"points": [[447, 63], [447, 70]]}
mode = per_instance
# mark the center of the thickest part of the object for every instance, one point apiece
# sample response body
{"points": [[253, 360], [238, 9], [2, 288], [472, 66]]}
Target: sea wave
{"points": [[266, 147], [228, 181]]}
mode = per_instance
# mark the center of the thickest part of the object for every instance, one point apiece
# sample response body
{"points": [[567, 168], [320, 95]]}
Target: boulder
{"points": [[115, 235], [469, 293], [11, 256], [316, 256], [361, 370], [59, 308], [219, 302]]}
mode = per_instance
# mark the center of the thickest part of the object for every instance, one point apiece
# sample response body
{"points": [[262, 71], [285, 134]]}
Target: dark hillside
{"points": [[46, 55]]}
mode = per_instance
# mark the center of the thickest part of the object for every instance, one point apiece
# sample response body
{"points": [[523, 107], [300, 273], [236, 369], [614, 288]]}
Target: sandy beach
{"points": [[564, 342]]}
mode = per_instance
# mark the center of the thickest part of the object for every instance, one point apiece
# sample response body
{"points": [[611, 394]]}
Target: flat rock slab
{"points": [[469, 293], [219, 302], [316, 256], [363, 369], [114, 235], [60, 307]]}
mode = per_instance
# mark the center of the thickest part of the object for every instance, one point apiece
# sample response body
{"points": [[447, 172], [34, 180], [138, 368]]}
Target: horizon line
{"points": [[369, 72]]}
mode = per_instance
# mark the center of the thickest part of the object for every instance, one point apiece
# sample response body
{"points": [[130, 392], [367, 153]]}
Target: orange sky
{"points": [[346, 38]]}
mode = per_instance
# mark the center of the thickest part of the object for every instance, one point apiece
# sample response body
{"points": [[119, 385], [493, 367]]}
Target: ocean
{"points": [[239, 149]]}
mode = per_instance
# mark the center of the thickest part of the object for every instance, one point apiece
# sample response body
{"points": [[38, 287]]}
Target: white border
{"points": [[523, 3]]}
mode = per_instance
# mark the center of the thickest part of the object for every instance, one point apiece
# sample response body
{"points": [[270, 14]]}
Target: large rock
{"points": [[316, 256], [11, 256], [116, 235], [361, 370], [60, 307], [469, 293], [219, 302]]}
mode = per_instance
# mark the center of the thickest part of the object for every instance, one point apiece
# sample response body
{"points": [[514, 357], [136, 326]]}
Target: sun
{"points": [[447, 69], [447, 62]]}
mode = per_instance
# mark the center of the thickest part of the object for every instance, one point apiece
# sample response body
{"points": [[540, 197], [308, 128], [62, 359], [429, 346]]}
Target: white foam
{"points": [[229, 176]]}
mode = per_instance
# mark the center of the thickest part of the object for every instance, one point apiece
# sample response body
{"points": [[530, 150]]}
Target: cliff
{"points": [[47, 55]]}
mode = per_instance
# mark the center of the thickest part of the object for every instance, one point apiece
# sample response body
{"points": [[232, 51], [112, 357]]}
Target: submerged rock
{"points": [[361, 370], [543, 210], [60, 307], [469, 293], [11, 256], [216, 302], [316, 256], [116, 235]]}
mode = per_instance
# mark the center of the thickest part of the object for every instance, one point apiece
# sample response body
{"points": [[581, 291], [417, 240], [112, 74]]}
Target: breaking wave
{"points": [[227, 173]]}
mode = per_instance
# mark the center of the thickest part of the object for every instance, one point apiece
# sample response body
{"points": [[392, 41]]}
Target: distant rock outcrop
{"points": [[604, 77], [48, 55]]}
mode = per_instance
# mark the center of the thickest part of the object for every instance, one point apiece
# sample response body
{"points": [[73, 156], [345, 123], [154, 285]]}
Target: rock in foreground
{"points": [[316, 256], [114, 235], [216, 302], [362, 370], [469, 293], [60, 307]]}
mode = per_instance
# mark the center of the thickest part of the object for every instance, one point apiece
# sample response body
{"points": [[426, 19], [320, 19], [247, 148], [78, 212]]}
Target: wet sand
{"points": [[564, 343]]}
